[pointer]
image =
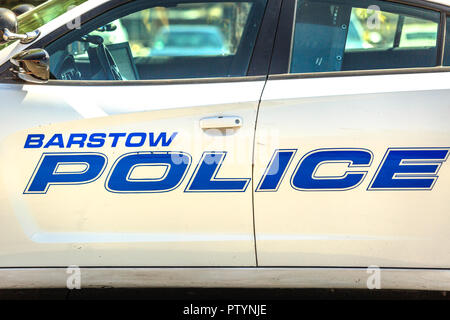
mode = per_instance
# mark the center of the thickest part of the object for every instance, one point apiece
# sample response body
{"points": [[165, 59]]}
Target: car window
{"points": [[178, 40], [362, 35]]}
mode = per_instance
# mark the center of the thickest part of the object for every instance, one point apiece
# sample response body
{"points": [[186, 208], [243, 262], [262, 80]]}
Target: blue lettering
{"points": [[46, 173], [77, 138], [163, 138], [34, 141], [96, 140], [116, 137], [409, 169], [276, 170], [305, 179], [204, 178], [55, 141], [176, 164], [140, 143]]}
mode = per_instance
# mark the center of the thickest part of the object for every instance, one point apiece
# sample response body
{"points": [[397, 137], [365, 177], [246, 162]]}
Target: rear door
{"points": [[358, 115], [152, 170]]}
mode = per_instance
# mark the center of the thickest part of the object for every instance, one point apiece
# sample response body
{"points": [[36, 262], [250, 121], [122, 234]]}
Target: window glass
{"points": [[447, 44], [204, 29], [362, 35], [182, 40]]}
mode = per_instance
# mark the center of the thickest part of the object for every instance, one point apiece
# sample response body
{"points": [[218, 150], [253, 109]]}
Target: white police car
{"points": [[294, 157]]}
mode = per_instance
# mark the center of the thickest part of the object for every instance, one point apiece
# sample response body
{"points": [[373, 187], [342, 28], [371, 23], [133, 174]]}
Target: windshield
{"points": [[43, 14]]}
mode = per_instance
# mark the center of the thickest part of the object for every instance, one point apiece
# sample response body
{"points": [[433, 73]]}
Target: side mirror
{"points": [[32, 65], [9, 27]]}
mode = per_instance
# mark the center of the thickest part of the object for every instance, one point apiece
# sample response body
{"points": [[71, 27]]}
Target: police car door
{"points": [[358, 118], [144, 162]]}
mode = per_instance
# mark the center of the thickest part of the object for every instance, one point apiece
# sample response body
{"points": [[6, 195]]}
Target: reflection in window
{"points": [[212, 29], [184, 40], [366, 33], [362, 35]]}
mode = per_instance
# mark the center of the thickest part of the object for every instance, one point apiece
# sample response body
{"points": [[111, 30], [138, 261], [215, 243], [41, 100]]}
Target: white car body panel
{"points": [[355, 227], [87, 225]]}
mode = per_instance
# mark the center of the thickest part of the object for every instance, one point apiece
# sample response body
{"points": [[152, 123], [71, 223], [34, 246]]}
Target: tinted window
{"points": [[362, 35], [181, 39]]}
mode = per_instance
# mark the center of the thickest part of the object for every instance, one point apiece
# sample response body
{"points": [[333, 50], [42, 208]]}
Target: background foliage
{"points": [[12, 3]]}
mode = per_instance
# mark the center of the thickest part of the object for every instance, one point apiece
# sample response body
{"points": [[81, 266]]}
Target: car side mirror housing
{"points": [[9, 28], [32, 66]]}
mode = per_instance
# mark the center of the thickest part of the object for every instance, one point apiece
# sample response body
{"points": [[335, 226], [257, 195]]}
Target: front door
{"points": [[143, 159]]}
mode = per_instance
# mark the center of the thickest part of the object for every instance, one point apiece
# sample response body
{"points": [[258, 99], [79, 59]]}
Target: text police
{"points": [[400, 168]]}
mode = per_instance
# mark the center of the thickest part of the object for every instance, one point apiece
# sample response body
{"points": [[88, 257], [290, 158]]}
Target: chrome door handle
{"points": [[221, 122]]}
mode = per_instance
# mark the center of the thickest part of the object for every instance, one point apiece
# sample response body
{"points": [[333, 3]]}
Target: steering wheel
{"points": [[107, 62], [66, 69], [104, 57]]}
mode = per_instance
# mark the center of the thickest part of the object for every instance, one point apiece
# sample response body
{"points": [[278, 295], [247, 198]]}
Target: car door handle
{"points": [[221, 122]]}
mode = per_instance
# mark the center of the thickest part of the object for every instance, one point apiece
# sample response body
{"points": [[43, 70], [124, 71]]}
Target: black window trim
{"points": [[257, 70], [442, 36], [281, 58]]}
